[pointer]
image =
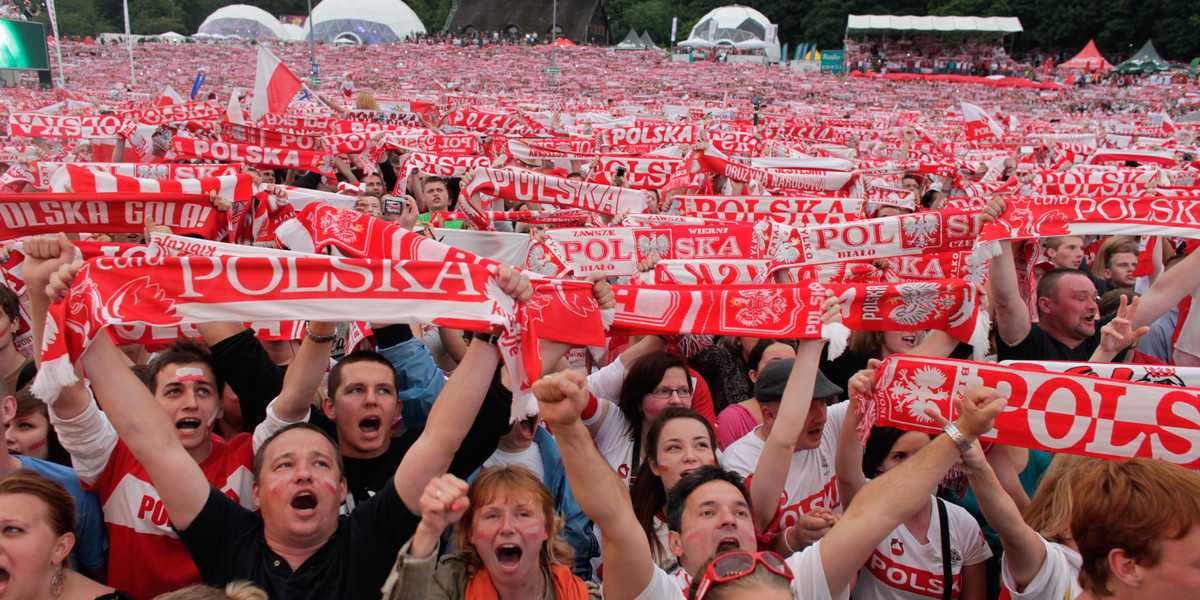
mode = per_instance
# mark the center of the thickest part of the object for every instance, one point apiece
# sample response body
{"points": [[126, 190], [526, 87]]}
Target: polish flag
{"points": [[169, 96], [980, 125], [233, 111], [274, 85]]}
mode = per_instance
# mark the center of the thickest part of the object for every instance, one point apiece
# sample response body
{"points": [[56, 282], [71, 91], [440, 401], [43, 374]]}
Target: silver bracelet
{"points": [[951, 430], [320, 339]]}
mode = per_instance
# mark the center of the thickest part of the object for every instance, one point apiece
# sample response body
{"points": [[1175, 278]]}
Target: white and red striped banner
{"points": [[523, 185], [259, 156]]}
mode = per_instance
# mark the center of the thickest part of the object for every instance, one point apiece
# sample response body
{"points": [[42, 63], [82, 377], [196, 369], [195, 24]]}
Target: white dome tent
{"points": [[736, 25], [243, 22], [364, 21], [294, 32]]}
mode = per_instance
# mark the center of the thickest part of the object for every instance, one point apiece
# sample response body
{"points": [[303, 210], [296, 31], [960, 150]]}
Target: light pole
{"points": [[312, 46], [553, 41]]}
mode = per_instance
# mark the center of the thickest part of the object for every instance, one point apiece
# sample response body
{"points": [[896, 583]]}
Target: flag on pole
{"points": [[233, 112], [980, 125], [274, 85], [169, 96]]}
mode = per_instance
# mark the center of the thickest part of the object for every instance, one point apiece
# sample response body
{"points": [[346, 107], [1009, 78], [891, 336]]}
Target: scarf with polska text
{"points": [[259, 156], [928, 232], [1059, 412], [640, 138], [174, 113], [571, 148], [794, 310], [319, 226], [1028, 217], [39, 173], [80, 212], [236, 188], [523, 185], [647, 172], [491, 123], [421, 141], [298, 123], [833, 182], [64, 126], [787, 210], [1137, 373], [618, 250], [246, 134], [1095, 183], [164, 292], [555, 218]]}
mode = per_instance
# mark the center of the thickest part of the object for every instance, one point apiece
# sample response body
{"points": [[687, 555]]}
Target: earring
{"points": [[56, 584]]}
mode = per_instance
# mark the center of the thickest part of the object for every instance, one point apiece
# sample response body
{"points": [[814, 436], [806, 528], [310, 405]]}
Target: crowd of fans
{"points": [[931, 56], [325, 463]]}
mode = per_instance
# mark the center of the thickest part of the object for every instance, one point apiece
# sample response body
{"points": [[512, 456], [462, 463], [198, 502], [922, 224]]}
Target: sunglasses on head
{"points": [[736, 565]]}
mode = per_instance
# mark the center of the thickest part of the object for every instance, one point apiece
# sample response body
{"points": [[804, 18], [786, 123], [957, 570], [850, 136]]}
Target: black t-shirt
{"points": [[1039, 345], [365, 476], [248, 369], [227, 543]]}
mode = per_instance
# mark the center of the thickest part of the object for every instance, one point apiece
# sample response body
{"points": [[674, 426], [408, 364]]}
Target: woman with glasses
{"points": [[656, 381], [740, 574]]}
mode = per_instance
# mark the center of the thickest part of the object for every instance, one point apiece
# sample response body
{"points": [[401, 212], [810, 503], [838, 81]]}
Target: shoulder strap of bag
{"points": [[947, 574]]}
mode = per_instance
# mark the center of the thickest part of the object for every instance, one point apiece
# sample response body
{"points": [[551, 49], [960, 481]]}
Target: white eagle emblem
{"points": [[649, 244], [917, 302], [917, 390], [921, 230], [756, 307]]}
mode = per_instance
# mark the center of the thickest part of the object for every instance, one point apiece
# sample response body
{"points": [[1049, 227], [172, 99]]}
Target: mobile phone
{"points": [[394, 205], [620, 171]]}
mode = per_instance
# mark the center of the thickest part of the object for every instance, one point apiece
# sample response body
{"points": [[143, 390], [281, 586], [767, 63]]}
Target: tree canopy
{"points": [[1119, 27]]}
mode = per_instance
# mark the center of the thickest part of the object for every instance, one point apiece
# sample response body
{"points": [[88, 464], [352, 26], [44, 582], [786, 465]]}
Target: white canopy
{"points": [[878, 23]]}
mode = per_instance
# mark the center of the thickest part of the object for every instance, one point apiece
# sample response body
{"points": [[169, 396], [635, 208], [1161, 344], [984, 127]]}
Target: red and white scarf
{"points": [[828, 181], [935, 231], [1137, 373], [260, 156], [787, 210], [574, 148], [1095, 183], [793, 311], [640, 173], [64, 126], [174, 113], [1059, 412], [522, 185], [300, 123], [236, 188], [618, 250], [173, 291], [655, 135], [40, 173], [245, 134], [50, 213], [1028, 217]]}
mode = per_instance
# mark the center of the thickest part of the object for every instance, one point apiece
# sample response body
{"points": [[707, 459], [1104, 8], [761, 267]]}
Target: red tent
{"points": [[89, 42], [1089, 58], [562, 43]]}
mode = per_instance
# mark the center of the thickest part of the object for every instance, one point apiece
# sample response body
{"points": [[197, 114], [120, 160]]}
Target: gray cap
{"points": [[773, 378]]}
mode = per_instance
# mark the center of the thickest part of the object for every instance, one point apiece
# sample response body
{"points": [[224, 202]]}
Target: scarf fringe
{"points": [[980, 339], [838, 336], [52, 377], [985, 252]]}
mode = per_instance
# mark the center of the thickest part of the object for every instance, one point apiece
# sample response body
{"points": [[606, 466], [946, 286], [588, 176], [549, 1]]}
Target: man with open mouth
{"points": [[299, 547], [708, 511]]}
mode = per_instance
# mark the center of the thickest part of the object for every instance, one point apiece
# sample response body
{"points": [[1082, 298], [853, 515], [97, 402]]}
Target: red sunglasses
{"points": [[736, 565]]}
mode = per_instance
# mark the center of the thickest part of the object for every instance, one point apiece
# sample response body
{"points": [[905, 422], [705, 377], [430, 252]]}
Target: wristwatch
{"points": [[486, 338], [964, 445]]}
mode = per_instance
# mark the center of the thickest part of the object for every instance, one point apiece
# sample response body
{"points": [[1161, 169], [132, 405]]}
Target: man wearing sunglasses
{"points": [[709, 509]]}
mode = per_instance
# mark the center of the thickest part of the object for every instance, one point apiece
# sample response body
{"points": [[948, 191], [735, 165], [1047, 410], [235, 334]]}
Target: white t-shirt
{"points": [[809, 582], [1058, 579], [902, 568], [530, 458], [811, 481]]}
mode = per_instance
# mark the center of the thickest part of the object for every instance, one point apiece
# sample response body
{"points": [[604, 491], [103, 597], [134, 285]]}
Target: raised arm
{"points": [[848, 461], [44, 256], [305, 373], [141, 423], [1168, 291], [770, 474], [889, 499], [453, 412], [599, 491], [1012, 314], [1024, 551]]}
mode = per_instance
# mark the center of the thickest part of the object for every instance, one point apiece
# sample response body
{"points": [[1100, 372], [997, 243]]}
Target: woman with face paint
{"points": [[30, 433], [508, 536], [679, 442], [37, 523]]}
